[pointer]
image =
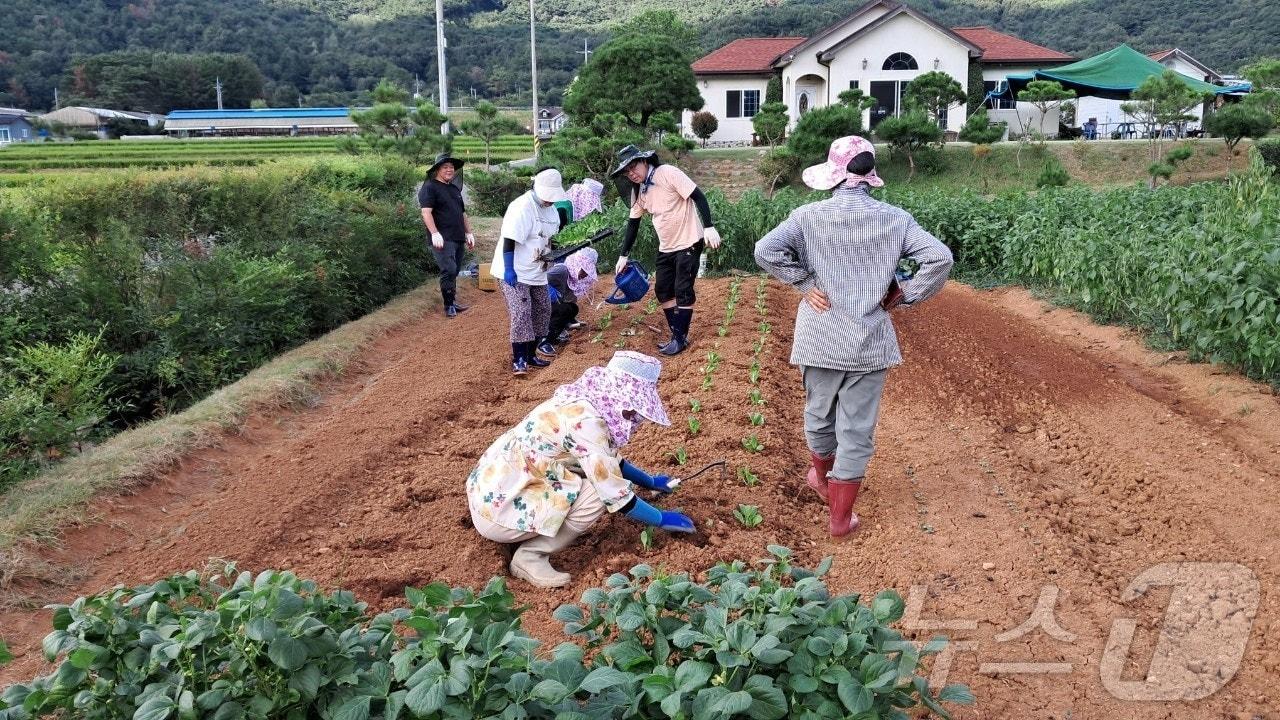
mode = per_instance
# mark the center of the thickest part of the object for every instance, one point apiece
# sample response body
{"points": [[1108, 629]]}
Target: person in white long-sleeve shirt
{"points": [[842, 255]]}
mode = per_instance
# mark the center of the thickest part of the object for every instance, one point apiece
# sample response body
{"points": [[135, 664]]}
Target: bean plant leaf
{"points": [[959, 694], [767, 701], [426, 698], [261, 629], [855, 697], [692, 675], [288, 653], [604, 677], [5, 656], [733, 703], [888, 607], [306, 681], [158, 707], [357, 708]]}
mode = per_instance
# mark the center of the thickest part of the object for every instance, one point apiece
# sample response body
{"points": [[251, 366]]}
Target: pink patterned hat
{"points": [[836, 169], [628, 382]]}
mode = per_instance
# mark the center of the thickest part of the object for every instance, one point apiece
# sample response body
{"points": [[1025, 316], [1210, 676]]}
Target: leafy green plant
{"points": [[748, 515], [706, 383], [651, 306], [757, 419], [605, 320], [694, 425], [762, 643], [646, 538], [757, 346], [5, 656], [752, 443], [722, 330], [747, 477], [765, 328], [680, 455], [695, 405], [755, 397]]}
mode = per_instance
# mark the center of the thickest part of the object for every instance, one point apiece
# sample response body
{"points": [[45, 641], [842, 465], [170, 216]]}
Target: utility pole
{"points": [[417, 87], [585, 52], [533, 67], [217, 85], [441, 44], [55, 97]]}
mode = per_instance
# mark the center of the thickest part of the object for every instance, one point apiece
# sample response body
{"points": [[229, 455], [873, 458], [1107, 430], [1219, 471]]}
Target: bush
{"points": [[1269, 152], [1053, 174], [704, 125], [191, 279], [779, 167], [492, 191], [275, 646], [813, 134]]}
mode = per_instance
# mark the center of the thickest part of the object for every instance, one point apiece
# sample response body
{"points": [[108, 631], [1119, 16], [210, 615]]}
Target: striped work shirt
{"points": [[848, 247]]}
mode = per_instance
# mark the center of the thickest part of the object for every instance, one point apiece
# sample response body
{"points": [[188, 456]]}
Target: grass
{"points": [[36, 510]]}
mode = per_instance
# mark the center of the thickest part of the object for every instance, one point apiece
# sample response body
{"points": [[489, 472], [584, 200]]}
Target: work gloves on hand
{"points": [[661, 483], [553, 294], [437, 241], [664, 519], [471, 241], [712, 237], [509, 273], [622, 264]]}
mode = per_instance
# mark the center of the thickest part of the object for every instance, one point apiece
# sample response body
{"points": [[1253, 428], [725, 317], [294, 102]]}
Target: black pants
{"points": [[450, 261], [562, 313], [676, 273]]}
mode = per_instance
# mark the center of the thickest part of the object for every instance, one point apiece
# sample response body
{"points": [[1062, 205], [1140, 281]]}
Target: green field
{"points": [[105, 154]]}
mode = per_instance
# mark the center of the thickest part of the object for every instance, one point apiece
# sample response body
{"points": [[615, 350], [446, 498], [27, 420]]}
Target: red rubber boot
{"points": [[841, 494], [817, 478]]}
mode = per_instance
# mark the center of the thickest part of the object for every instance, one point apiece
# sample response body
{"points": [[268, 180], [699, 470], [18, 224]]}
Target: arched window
{"points": [[900, 61], [804, 103]]}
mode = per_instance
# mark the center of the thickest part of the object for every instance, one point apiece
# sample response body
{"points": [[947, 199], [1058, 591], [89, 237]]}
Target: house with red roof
{"points": [[878, 49]]}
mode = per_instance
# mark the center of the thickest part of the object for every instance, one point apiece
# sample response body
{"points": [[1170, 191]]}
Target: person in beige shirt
{"points": [[682, 220]]}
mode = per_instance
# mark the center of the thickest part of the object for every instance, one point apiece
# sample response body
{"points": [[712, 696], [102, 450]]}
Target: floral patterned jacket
{"points": [[530, 476]]}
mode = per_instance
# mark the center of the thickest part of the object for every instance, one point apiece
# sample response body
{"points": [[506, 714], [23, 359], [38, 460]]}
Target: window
{"points": [[750, 103], [741, 103], [733, 104], [853, 84], [900, 61], [4, 135]]}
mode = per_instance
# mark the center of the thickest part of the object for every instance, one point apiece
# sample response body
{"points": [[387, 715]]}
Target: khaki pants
{"points": [[840, 413], [584, 513]]}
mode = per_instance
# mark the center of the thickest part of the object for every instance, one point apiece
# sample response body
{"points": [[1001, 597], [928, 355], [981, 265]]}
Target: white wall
{"points": [[1026, 113], [714, 89], [901, 34]]}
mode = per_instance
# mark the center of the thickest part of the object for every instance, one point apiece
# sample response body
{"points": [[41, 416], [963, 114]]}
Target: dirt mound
{"points": [[1018, 450]]}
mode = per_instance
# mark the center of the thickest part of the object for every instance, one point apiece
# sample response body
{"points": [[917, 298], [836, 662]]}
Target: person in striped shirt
{"points": [[842, 255]]}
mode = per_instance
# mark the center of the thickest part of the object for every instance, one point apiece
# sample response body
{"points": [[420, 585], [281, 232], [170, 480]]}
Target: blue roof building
{"points": [[261, 121]]}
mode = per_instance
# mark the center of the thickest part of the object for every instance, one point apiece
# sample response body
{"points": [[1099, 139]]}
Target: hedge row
{"points": [[183, 281]]}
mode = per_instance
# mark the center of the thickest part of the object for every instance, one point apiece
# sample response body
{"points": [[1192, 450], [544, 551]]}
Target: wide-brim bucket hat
{"points": [[630, 154], [443, 158], [548, 186], [836, 169]]}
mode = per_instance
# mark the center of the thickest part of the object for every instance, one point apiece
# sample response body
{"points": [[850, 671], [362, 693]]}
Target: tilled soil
{"points": [[1023, 455]]}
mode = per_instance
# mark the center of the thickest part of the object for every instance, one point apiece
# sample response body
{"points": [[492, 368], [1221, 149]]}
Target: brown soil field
{"points": [[1022, 451]]}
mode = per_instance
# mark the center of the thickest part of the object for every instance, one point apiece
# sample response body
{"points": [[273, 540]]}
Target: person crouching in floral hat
{"points": [[547, 480]]}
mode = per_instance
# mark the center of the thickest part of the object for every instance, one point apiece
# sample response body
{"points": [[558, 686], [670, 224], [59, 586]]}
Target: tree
{"points": [[816, 129], [770, 123], [635, 76], [393, 128], [664, 24], [935, 93], [704, 125], [589, 149], [909, 133], [977, 94], [1160, 102], [1236, 122], [1265, 95], [488, 125], [980, 131], [773, 90], [1044, 95]]}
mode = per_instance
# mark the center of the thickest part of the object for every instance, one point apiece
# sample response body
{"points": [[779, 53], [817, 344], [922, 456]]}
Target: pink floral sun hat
{"points": [[628, 382], [836, 169]]}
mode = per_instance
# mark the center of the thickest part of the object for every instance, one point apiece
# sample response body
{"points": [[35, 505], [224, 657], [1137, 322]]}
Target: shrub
{"points": [[813, 134], [1053, 174], [1269, 152], [704, 125], [492, 191]]}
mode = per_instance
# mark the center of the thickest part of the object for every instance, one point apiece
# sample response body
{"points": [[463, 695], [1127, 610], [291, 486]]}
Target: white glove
{"points": [[622, 265], [471, 240], [712, 236], [437, 241]]}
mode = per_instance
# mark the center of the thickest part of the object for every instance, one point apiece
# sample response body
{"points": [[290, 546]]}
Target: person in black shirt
{"points": [[446, 219]]}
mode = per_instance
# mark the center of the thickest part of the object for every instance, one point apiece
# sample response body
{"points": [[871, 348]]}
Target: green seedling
{"points": [[646, 538], [605, 320], [755, 376], [713, 359], [748, 515], [722, 331], [765, 327], [598, 337], [756, 398], [757, 346], [757, 419], [681, 456], [747, 477], [651, 307], [695, 405], [752, 444], [694, 426], [620, 343], [706, 383]]}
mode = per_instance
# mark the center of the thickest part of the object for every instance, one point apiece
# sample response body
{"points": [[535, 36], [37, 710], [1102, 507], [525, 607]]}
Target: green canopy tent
{"points": [[1114, 74]]}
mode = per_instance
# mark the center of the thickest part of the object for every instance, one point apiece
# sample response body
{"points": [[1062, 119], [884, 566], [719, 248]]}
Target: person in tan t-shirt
{"points": [[682, 220]]}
